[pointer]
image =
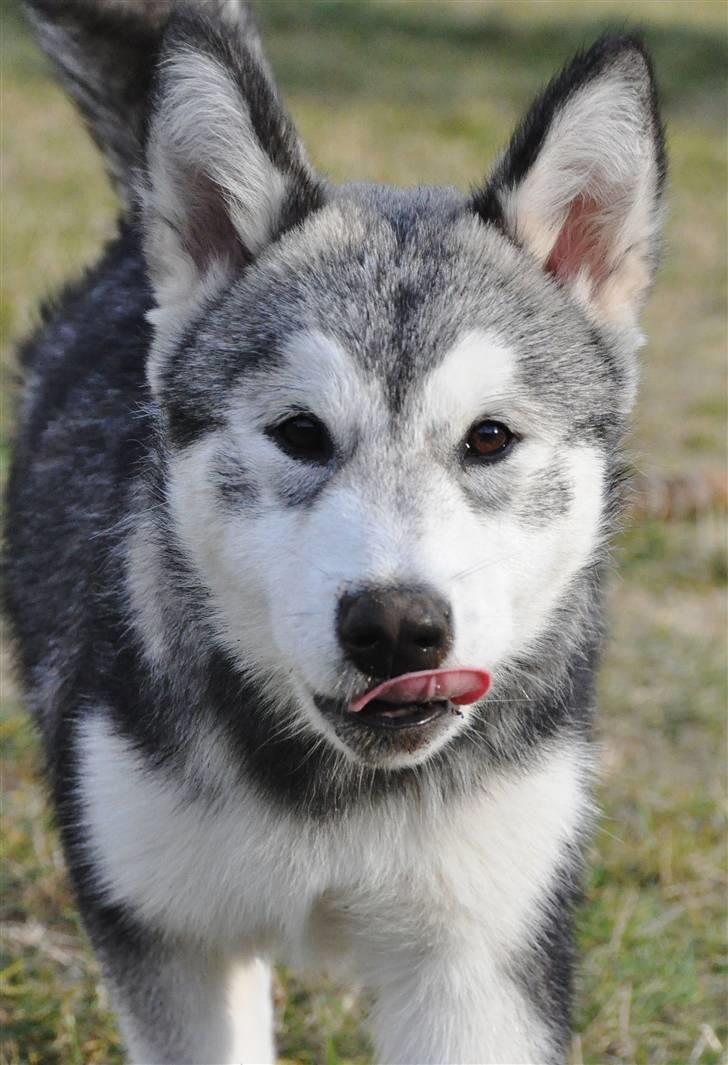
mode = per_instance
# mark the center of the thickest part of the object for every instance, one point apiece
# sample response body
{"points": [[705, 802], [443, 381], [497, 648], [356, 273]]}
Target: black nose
{"points": [[388, 631]]}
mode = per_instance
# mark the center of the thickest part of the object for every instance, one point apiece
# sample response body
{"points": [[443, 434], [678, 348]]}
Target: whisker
{"points": [[312, 749], [306, 614], [483, 564]]}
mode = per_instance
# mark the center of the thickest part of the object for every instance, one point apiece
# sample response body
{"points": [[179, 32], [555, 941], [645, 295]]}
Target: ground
{"points": [[422, 92]]}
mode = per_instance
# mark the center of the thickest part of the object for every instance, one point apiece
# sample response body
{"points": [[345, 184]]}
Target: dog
{"points": [[307, 534]]}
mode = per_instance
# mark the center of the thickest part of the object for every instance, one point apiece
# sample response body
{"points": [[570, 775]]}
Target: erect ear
{"points": [[225, 173], [580, 184]]}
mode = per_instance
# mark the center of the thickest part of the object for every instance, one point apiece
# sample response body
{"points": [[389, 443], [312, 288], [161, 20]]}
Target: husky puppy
{"points": [[306, 536]]}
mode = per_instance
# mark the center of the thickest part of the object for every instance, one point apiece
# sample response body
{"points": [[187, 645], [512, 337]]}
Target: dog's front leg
{"points": [[182, 1005], [457, 1006], [466, 941]]}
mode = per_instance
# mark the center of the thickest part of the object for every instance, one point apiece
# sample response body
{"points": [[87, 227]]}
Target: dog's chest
{"points": [[244, 875]]}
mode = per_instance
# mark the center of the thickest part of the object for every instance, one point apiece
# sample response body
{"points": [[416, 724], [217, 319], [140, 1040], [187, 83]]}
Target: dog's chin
{"points": [[390, 736]]}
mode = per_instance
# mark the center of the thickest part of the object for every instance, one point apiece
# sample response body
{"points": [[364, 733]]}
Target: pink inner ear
{"points": [[582, 242], [210, 235]]}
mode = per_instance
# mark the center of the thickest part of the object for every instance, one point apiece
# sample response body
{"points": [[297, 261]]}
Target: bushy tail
{"points": [[105, 54]]}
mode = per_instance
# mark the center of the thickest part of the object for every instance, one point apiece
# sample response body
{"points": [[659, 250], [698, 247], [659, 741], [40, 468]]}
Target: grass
{"points": [[410, 92]]}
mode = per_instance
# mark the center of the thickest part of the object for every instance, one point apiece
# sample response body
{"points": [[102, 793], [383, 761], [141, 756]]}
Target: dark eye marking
{"points": [[304, 438], [488, 441]]}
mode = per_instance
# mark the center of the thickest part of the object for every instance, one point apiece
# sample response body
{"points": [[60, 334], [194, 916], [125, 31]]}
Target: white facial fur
{"points": [[395, 511]]}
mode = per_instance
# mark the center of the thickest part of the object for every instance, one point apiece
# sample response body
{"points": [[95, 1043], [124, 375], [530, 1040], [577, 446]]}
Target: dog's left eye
{"points": [[303, 437], [488, 440]]}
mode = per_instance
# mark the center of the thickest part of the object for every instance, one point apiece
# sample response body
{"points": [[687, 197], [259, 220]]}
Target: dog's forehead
{"points": [[477, 370], [375, 270], [402, 282]]}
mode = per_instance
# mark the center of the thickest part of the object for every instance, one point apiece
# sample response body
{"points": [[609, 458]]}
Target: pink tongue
{"points": [[461, 686]]}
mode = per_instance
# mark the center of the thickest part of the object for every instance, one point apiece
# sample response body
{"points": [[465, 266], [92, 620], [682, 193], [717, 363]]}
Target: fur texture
{"points": [[175, 567]]}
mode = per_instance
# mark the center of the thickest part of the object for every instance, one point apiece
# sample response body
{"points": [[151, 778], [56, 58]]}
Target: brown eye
{"points": [[488, 440], [303, 437]]}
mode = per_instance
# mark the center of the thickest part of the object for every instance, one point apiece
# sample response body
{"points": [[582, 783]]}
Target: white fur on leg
{"points": [[196, 1009], [457, 1011], [251, 1009]]}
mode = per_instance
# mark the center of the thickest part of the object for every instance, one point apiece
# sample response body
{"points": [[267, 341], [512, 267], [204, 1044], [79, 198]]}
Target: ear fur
{"points": [[580, 185], [225, 173]]}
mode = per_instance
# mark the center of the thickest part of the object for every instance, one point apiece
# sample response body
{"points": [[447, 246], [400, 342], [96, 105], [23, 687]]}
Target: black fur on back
{"points": [[85, 395]]}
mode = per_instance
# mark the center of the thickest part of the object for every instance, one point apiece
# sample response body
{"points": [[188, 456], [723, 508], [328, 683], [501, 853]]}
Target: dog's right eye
{"points": [[303, 437]]}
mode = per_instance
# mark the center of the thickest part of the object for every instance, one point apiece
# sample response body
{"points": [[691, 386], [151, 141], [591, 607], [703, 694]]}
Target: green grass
{"points": [[422, 92]]}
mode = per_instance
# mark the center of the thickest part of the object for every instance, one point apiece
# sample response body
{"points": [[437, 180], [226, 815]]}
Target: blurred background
{"points": [[407, 91]]}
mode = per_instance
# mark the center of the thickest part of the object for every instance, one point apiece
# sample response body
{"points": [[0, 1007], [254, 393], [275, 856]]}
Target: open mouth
{"points": [[416, 699], [387, 715]]}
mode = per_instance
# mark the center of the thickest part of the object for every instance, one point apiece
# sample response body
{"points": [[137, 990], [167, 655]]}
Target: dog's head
{"points": [[392, 415]]}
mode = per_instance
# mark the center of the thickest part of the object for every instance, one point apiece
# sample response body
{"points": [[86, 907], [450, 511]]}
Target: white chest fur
{"points": [[243, 866], [391, 888]]}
